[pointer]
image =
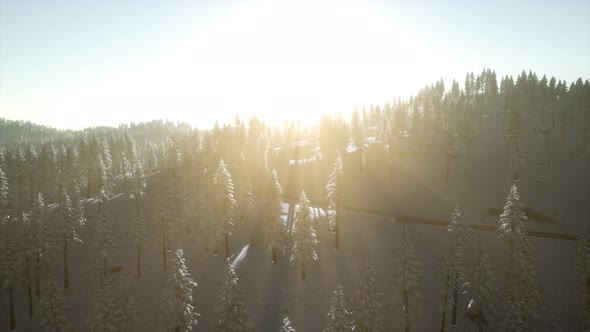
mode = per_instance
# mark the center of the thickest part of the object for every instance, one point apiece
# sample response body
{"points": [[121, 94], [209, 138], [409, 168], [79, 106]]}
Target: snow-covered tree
{"points": [[225, 205], [138, 193], [51, 308], [243, 187], [205, 199], [481, 290], [101, 314], [273, 226], [304, 238], [231, 313], [167, 218], [69, 224], [338, 316], [177, 310], [366, 302], [523, 299], [358, 137], [455, 261], [582, 272], [406, 275], [43, 238], [286, 326], [516, 143], [335, 198], [126, 311]]}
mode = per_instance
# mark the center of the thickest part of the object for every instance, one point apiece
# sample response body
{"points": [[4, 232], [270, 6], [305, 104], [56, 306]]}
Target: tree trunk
{"points": [[444, 306], [177, 329], [105, 267], [337, 233], [303, 275], [406, 312], [274, 254], [226, 246], [38, 275], [448, 165], [587, 304], [29, 287], [138, 249], [66, 267], [455, 299], [163, 250], [516, 176], [11, 309]]}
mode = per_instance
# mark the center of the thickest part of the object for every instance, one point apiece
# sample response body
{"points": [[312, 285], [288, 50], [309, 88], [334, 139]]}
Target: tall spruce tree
{"points": [[522, 302], [406, 275], [304, 238], [138, 194], [366, 302], [225, 205], [70, 225], [338, 317], [286, 326], [273, 226], [335, 198], [243, 189], [51, 307], [101, 314], [231, 313], [358, 137], [480, 288], [177, 310]]}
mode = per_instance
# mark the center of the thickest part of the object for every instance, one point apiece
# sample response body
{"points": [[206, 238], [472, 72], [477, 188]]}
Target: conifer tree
{"points": [[225, 205], [138, 193], [304, 238], [482, 308], [273, 226], [126, 311], [366, 302], [523, 300], [177, 310], [243, 189], [335, 198], [286, 326], [582, 272], [338, 316], [101, 315], [231, 313], [406, 275], [70, 225], [358, 137], [455, 261], [9, 249], [51, 308], [516, 143]]}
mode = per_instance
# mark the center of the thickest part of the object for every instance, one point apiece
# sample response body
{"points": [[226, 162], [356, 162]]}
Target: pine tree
{"points": [[243, 189], [286, 327], [304, 238], [126, 311], [406, 274], [70, 224], [455, 261], [231, 312], [101, 317], [9, 248], [225, 205], [51, 307], [523, 300], [582, 272], [335, 198], [338, 316], [177, 310], [516, 143], [366, 302], [358, 137], [273, 226], [482, 307], [138, 193]]}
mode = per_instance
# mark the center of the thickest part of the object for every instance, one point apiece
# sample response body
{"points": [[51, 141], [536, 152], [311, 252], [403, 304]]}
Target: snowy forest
{"points": [[465, 207]]}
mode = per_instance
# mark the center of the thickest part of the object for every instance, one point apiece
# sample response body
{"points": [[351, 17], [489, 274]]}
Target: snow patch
{"points": [[240, 257]]}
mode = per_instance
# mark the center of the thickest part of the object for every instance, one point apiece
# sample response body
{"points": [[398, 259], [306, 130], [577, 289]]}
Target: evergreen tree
{"points": [[138, 193], [516, 143], [9, 249], [338, 316], [304, 238], [51, 307], [523, 300], [366, 302], [358, 137], [406, 274], [126, 311], [101, 314], [177, 310], [70, 225], [582, 272], [243, 189], [335, 198], [455, 261], [286, 327], [482, 307], [273, 225], [231, 312], [225, 205]]}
